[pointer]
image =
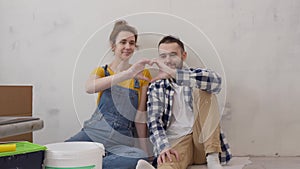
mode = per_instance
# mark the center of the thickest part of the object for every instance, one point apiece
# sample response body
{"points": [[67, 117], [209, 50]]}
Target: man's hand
{"points": [[136, 70], [166, 153], [165, 72]]}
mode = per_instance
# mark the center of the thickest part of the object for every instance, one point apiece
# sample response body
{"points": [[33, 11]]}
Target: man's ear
{"points": [[184, 55]]}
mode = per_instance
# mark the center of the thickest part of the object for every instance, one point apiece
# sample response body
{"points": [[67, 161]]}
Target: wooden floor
{"points": [[259, 163]]}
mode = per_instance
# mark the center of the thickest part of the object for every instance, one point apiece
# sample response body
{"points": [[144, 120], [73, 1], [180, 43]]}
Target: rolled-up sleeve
{"points": [[155, 109], [203, 79]]}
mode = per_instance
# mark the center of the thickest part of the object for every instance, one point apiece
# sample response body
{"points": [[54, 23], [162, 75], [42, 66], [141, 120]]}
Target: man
{"points": [[183, 116]]}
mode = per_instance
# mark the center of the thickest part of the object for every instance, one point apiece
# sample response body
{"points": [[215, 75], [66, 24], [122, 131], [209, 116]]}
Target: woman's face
{"points": [[125, 45]]}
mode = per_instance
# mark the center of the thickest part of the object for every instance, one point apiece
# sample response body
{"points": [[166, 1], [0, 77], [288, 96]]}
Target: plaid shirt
{"points": [[160, 101]]}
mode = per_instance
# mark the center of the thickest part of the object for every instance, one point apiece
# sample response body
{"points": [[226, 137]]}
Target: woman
{"points": [[121, 112]]}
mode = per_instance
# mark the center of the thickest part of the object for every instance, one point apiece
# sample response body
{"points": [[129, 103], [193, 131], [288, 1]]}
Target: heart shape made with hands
{"points": [[165, 72]]}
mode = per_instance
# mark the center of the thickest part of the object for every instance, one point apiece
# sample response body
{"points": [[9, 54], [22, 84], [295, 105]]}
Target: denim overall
{"points": [[112, 124]]}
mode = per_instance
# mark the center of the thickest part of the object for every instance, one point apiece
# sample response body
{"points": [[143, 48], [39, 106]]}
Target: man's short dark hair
{"points": [[171, 39]]}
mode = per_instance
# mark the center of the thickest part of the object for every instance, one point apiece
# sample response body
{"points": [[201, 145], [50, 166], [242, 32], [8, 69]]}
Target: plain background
{"points": [[254, 44]]}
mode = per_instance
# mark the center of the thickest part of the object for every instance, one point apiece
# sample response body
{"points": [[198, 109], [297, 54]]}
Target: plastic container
{"points": [[74, 155], [26, 156]]}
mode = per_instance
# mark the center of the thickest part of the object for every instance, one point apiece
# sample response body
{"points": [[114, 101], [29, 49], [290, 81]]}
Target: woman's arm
{"points": [[95, 83], [140, 120]]}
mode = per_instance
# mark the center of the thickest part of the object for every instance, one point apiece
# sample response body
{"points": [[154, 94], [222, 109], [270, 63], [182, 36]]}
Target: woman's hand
{"points": [[165, 72], [136, 70]]}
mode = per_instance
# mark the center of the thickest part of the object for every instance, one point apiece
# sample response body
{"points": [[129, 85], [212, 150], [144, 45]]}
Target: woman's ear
{"points": [[113, 47]]}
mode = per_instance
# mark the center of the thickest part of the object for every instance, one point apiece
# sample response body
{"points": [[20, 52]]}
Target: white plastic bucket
{"points": [[74, 155]]}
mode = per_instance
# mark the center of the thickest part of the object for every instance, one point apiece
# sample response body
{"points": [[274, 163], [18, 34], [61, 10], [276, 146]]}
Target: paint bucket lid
{"points": [[74, 150]]}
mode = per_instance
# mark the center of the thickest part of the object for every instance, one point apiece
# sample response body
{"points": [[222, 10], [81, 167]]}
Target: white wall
{"points": [[54, 45]]}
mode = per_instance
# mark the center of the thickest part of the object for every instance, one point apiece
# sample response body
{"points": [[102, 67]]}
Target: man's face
{"points": [[172, 55]]}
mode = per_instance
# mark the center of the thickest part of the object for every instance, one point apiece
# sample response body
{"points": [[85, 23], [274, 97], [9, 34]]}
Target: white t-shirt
{"points": [[182, 118]]}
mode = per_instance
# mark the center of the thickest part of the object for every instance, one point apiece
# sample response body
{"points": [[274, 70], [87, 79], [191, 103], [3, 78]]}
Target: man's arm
{"points": [[203, 79], [155, 109]]}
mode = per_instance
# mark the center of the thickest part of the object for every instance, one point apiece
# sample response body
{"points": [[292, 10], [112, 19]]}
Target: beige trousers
{"points": [[205, 138]]}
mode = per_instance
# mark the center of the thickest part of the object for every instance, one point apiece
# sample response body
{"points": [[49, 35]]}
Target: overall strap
{"points": [[106, 73], [136, 83]]}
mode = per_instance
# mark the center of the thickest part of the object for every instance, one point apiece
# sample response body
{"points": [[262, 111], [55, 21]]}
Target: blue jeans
{"points": [[122, 157], [118, 156], [80, 136]]}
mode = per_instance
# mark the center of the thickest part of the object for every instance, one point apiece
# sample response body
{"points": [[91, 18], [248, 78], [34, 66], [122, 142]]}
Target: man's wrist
{"points": [[173, 73]]}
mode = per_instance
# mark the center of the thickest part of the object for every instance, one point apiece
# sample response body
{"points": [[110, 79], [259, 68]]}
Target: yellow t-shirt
{"points": [[99, 71]]}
